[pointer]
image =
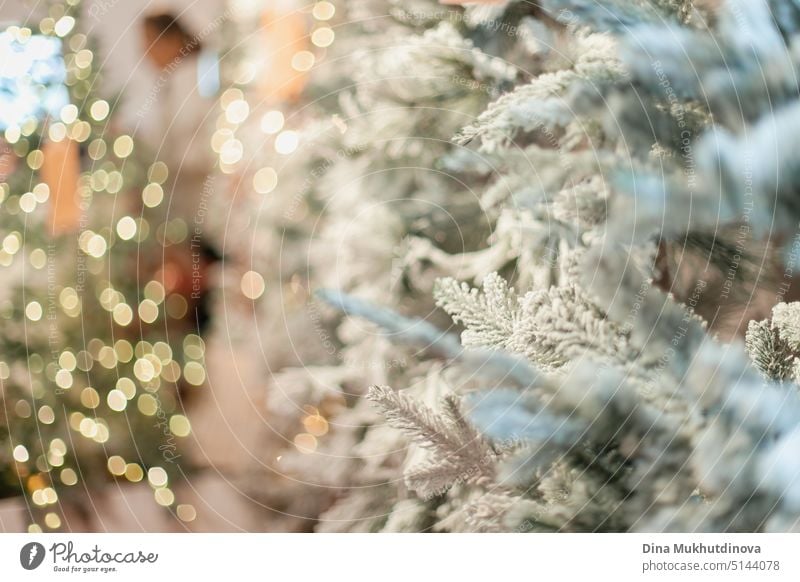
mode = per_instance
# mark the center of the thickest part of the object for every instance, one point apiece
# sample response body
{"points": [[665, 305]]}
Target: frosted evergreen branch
{"points": [[740, 70], [614, 15], [489, 316], [490, 365], [429, 429], [770, 354], [786, 319], [548, 327], [396, 327], [542, 104]]}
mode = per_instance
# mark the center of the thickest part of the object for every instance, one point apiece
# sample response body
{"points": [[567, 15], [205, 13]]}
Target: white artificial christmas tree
{"points": [[595, 194]]}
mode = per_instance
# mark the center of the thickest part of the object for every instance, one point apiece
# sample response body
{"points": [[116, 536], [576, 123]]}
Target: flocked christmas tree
{"points": [[619, 186]]}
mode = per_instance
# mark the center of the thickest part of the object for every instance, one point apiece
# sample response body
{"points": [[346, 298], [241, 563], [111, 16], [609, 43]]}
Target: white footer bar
{"points": [[388, 558]]}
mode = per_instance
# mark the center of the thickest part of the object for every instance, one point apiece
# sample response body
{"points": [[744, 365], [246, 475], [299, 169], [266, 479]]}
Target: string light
{"points": [[164, 497], [231, 152], [179, 425], [126, 228], [186, 512], [252, 285], [152, 195], [306, 443], [123, 146], [194, 373], [134, 473], [323, 10], [323, 37], [287, 142], [265, 180], [20, 454], [69, 477], [272, 122], [303, 61], [237, 111], [157, 477], [64, 25]]}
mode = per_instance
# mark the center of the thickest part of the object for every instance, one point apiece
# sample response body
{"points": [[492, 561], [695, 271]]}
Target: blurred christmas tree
{"points": [[94, 341]]}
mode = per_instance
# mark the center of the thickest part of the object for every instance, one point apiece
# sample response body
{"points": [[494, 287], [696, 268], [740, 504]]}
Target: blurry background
{"points": [[118, 160]]}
